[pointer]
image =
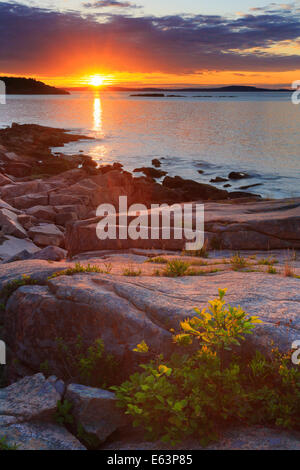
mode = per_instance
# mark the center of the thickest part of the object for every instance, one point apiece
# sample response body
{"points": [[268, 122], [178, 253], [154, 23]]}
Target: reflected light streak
{"points": [[97, 116]]}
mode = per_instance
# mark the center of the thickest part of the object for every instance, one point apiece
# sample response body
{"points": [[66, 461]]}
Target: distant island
{"points": [[156, 90], [30, 86]]}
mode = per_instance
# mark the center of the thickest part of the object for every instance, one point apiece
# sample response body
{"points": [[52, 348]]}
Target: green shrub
{"points": [[132, 272], [77, 269], [5, 446], [176, 268], [90, 366], [221, 327], [199, 392], [201, 272], [238, 262], [269, 261], [271, 270], [157, 260], [63, 413]]}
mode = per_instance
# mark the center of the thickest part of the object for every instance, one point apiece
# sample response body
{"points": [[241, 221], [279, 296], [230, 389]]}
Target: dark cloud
{"points": [[110, 4], [35, 40]]}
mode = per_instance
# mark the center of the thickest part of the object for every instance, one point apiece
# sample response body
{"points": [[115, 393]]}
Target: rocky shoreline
{"points": [[51, 199], [120, 291]]}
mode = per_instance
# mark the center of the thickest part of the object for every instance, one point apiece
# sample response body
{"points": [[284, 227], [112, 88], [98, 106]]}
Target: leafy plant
{"points": [[4, 445], [288, 269], [176, 268], [157, 260], [271, 270], [63, 413], [90, 441], [196, 394], [108, 268], [238, 262], [269, 261], [132, 272], [220, 327], [90, 366], [44, 367], [201, 272], [77, 269]]}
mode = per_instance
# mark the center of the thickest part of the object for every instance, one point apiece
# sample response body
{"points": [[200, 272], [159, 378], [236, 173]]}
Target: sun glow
{"points": [[96, 80]]}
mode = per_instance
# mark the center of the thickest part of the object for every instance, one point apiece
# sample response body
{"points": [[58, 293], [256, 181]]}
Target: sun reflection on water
{"points": [[97, 115]]}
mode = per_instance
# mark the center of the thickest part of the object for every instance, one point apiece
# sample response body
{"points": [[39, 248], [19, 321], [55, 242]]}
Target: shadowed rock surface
{"points": [[124, 310]]}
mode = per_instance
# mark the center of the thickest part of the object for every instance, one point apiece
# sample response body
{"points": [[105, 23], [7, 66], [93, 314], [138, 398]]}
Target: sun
{"points": [[96, 80]]}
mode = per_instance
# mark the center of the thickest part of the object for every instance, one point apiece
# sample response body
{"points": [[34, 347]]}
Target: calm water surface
{"points": [[253, 132]]}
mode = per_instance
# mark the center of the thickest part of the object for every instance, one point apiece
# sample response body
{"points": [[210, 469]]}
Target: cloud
{"points": [[37, 41], [111, 4]]}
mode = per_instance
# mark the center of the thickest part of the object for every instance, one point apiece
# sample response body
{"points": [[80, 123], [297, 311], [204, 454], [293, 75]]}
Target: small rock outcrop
{"points": [[95, 411], [27, 412]]}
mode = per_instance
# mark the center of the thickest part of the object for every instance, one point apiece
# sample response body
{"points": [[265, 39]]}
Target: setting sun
{"points": [[96, 80]]}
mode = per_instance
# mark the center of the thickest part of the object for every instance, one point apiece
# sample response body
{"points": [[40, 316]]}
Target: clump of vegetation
{"points": [[11, 286], [90, 441], [4, 445], [201, 272], [288, 269], [108, 268], [90, 366], [176, 268], [203, 389], [63, 414], [238, 262], [269, 261], [77, 269], [157, 260], [271, 270], [157, 272], [132, 272]]}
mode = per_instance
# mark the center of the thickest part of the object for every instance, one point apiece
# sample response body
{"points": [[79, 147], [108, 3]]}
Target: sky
{"points": [[151, 42]]}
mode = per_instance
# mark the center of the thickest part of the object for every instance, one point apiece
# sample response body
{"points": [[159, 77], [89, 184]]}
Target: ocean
{"points": [[214, 132]]}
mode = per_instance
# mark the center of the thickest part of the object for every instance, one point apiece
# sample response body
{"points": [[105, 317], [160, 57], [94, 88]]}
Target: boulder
{"points": [[239, 225], [156, 163], [46, 234], [43, 213], [79, 209], [11, 246], [65, 198], [149, 171], [95, 410], [191, 190], [27, 221], [64, 217], [260, 225], [237, 175], [238, 438], [5, 205], [30, 200], [31, 398], [21, 256], [21, 189], [218, 179], [39, 436], [52, 253], [124, 311], [9, 224]]}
